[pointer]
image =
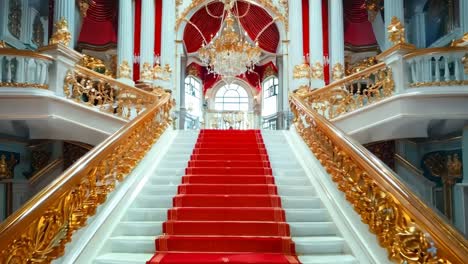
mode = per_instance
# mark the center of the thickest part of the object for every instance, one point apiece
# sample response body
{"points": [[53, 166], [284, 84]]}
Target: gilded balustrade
{"points": [[229, 120], [437, 67], [38, 232], [353, 92], [24, 69], [408, 229], [106, 94]]}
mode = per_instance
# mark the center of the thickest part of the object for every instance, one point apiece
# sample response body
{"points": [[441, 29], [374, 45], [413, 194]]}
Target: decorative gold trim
{"points": [[25, 85], [403, 224], [337, 71], [39, 231], [447, 83], [50, 167], [146, 73], [301, 71], [61, 34], [3, 44], [124, 70], [396, 31]]}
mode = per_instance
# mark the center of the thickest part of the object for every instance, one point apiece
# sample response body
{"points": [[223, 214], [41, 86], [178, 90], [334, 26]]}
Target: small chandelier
{"points": [[229, 54]]}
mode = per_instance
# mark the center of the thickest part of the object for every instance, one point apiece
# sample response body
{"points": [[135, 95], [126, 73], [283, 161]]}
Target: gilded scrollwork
{"points": [[14, 18], [124, 70], [396, 230], [396, 31], [348, 95], [122, 101], [61, 34], [43, 239], [338, 71]]}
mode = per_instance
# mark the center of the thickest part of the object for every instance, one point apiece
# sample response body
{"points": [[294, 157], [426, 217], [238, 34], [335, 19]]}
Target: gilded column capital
{"points": [[337, 71], [124, 70], [61, 34]]}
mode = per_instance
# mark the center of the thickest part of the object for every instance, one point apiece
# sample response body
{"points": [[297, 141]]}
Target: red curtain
{"points": [[326, 53], [137, 38], [357, 28], [305, 27], [99, 28], [158, 27]]}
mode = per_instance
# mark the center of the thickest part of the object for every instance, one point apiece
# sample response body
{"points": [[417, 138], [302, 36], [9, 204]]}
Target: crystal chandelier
{"points": [[230, 54]]}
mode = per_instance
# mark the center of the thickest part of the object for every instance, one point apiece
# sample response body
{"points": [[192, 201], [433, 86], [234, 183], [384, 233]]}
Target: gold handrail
{"points": [[352, 92], [404, 225], [49, 167], [39, 230], [433, 51], [24, 53], [97, 90]]}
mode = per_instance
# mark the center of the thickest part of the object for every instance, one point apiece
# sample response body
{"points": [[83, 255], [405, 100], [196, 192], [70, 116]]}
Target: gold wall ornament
{"points": [[38, 32], [61, 34], [396, 31], [373, 7], [84, 6], [94, 64], [317, 71], [162, 73], [269, 71], [338, 71], [105, 93], [146, 72], [7, 166], [361, 65], [14, 18], [3, 44], [39, 231], [301, 71], [401, 222], [448, 168], [24, 85], [124, 70]]}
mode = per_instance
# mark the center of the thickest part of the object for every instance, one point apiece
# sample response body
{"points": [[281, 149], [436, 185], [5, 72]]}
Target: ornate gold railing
{"points": [[38, 232], [353, 92], [105, 93], [409, 230]]}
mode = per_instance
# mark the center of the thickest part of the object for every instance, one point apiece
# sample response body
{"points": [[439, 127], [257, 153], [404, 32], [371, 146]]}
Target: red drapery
{"points": [[99, 25], [305, 27], [357, 28], [137, 38], [158, 27], [326, 53]]}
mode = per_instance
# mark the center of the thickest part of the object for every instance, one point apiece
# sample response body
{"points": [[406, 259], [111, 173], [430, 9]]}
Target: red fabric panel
{"points": [[137, 39], [158, 27], [254, 19], [100, 24], [357, 28], [326, 53], [305, 28], [205, 23]]}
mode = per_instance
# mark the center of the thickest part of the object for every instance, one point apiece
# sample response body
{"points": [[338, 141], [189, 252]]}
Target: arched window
{"points": [[232, 97], [270, 94], [193, 96]]}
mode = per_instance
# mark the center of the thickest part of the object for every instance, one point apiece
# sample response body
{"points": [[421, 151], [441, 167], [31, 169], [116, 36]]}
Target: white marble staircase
{"points": [[315, 234], [132, 241]]}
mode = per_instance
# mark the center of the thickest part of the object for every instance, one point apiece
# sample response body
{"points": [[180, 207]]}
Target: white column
{"points": [[337, 36], [168, 53], [147, 34], [392, 8], [125, 39], [463, 15], [295, 51], [316, 38], [66, 9]]}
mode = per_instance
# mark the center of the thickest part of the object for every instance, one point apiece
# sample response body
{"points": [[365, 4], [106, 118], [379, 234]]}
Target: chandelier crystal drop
{"points": [[230, 54]]}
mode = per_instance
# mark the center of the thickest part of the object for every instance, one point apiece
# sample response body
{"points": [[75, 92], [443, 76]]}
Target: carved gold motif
{"points": [[38, 32], [338, 71], [441, 83], [373, 7], [317, 71], [6, 166], [361, 65], [38, 232], [61, 34], [3, 44], [14, 18], [160, 73], [94, 64], [269, 71], [194, 71], [124, 70], [353, 92], [376, 196], [104, 93], [24, 85], [84, 6], [465, 63], [396, 31], [301, 71], [146, 72]]}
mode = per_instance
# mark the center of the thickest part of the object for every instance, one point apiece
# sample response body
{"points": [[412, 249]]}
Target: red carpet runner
{"points": [[227, 209]]}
